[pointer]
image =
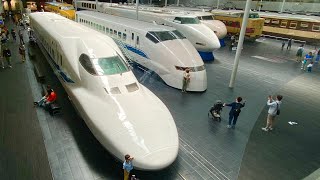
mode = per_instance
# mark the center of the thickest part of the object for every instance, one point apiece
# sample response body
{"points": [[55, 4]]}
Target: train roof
{"points": [[134, 24], [290, 16], [62, 28]]}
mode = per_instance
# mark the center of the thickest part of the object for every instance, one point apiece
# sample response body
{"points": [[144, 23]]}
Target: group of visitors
{"points": [[307, 61], [6, 52]]}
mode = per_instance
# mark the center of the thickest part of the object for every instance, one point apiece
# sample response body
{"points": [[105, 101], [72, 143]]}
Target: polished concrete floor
{"points": [[63, 147]]}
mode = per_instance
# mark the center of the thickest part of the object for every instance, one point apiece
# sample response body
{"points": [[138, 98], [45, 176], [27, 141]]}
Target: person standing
{"points": [[1, 57], [274, 110], [21, 37], [13, 34], [22, 52], [299, 53], [6, 53], [127, 166], [303, 64], [318, 56], [283, 44], [289, 44], [234, 112], [186, 80], [309, 67]]}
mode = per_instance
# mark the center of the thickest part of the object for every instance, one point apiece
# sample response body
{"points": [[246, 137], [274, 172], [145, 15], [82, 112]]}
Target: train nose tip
{"points": [[158, 159]]}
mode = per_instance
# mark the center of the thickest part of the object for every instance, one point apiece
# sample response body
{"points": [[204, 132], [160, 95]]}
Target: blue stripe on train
{"points": [[135, 50]]}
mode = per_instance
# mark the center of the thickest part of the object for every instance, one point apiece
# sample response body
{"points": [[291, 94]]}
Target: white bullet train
{"points": [[202, 37], [122, 114], [161, 49]]}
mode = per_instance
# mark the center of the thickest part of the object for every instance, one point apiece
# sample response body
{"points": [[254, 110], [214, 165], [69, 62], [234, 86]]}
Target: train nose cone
{"points": [[158, 159]]}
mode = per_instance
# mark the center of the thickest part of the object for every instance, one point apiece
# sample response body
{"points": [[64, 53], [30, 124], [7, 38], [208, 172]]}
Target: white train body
{"points": [[122, 114], [159, 48], [202, 37]]}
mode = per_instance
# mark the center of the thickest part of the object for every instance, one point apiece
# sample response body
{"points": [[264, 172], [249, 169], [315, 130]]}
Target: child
{"points": [[310, 67], [303, 64]]}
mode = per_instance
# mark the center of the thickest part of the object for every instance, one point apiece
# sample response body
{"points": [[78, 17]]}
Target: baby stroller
{"points": [[215, 111]]}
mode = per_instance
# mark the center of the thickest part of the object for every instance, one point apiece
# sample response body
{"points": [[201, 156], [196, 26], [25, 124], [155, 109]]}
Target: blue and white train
{"points": [[201, 36], [161, 49], [122, 114]]}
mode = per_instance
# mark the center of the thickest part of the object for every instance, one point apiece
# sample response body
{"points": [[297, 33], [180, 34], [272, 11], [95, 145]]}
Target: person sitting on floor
{"points": [[47, 99]]}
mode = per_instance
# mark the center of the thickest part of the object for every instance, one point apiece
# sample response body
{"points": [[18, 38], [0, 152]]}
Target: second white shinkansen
{"points": [[201, 36], [161, 49]]}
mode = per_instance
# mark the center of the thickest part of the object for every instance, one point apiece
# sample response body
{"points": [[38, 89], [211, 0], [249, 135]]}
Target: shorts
{"points": [[270, 118]]}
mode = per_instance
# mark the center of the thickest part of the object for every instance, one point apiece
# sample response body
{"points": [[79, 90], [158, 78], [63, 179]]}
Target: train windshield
{"points": [[67, 8], [187, 20], [178, 34], [206, 18], [159, 36], [110, 65]]}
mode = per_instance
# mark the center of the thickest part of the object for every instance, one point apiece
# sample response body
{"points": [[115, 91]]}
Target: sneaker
{"points": [[10, 66], [265, 129], [228, 126], [233, 126], [270, 129]]}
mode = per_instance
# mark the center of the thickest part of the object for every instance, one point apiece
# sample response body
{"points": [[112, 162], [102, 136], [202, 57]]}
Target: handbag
{"points": [[278, 110]]}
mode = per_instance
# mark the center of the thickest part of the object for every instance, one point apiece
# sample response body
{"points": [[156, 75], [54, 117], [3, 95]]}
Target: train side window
{"points": [[132, 36], [284, 24], [267, 21], [275, 21], [316, 27], [115, 32], [304, 25], [124, 36], [104, 29], [293, 25], [107, 30], [87, 64], [138, 40], [111, 31], [90, 6], [94, 6], [119, 35]]}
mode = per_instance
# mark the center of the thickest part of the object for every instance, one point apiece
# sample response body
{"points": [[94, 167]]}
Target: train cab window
{"points": [[284, 24], [267, 21], [316, 27], [132, 36], [187, 20], [124, 36], [293, 25], [110, 65], [159, 36], [178, 34], [206, 18], [87, 64]]}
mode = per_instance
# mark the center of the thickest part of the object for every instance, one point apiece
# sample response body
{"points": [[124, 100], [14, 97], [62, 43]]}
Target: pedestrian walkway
{"points": [[22, 151]]}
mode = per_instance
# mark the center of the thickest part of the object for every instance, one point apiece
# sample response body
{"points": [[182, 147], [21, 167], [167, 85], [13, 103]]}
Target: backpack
{"points": [[278, 110], [237, 110]]}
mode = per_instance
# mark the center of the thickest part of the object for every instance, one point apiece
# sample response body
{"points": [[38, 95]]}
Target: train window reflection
{"points": [[206, 18], [275, 21], [160, 36], [304, 25], [188, 20], [110, 65], [178, 34]]}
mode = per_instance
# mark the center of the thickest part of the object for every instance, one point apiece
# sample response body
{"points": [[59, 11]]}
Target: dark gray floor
{"points": [[208, 150], [22, 150]]}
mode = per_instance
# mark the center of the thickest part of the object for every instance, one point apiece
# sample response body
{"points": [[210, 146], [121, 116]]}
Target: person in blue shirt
{"points": [[127, 166], [234, 112]]}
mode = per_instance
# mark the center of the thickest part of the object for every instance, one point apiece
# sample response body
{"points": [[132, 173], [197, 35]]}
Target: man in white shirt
{"points": [[274, 108]]}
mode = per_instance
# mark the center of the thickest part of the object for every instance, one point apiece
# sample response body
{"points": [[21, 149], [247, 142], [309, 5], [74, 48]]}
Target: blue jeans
{"points": [[42, 101], [233, 119]]}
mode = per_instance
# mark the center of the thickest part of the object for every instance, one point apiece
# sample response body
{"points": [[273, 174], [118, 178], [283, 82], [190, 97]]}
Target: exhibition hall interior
{"points": [[160, 90]]}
